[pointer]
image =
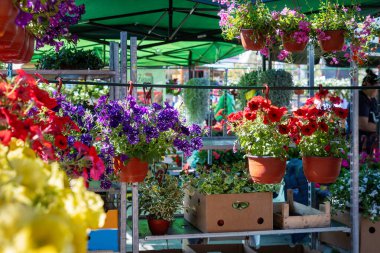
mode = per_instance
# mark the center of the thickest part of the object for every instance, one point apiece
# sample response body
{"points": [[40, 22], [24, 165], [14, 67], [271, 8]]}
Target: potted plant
{"points": [[141, 134], [262, 133], [160, 198], [197, 100], [318, 129], [223, 198], [293, 28], [253, 22]]}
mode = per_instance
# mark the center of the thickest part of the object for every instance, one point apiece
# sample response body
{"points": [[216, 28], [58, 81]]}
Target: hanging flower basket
{"points": [[252, 40], [335, 43], [323, 170], [266, 170], [134, 171], [290, 44]]}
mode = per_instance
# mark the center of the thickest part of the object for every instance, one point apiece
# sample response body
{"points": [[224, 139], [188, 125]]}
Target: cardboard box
{"points": [[285, 249], [369, 235], [218, 248], [230, 212], [111, 219]]}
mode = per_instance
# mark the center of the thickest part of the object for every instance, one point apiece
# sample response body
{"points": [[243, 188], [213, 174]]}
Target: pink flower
{"points": [[345, 163], [334, 61], [283, 54], [265, 51], [344, 48]]}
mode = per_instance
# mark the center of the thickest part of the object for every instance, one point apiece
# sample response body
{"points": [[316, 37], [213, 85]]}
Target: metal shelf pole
{"points": [[123, 218], [135, 218], [354, 160]]}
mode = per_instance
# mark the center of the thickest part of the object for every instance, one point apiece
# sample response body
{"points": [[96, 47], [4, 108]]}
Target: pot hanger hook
{"points": [[320, 88], [130, 88], [59, 85], [266, 90]]}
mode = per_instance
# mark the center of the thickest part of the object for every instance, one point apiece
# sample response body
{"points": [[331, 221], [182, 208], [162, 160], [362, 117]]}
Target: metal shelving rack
{"points": [[118, 71]]}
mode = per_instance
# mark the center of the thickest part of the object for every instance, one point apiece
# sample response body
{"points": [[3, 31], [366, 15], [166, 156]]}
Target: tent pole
{"points": [[310, 50], [354, 160], [114, 66], [133, 66], [123, 63]]}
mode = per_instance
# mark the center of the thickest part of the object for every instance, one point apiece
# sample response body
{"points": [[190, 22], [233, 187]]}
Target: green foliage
{"points": [[248, 16], [250, 79], [259, 139], [70, 58], [275, 78], [220, 157], [160, 199], [79, 94], [226, 179], [196, 100], [288, 20], [369, 182]]}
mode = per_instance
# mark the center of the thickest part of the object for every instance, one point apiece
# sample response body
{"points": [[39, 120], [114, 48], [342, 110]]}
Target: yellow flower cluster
{"points": [[40, 212]]}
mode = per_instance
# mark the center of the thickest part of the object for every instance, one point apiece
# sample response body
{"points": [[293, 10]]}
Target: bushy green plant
{"points": [[250, 79], [160, 197], [369, 181], [332, 17], [196, 100], [225, 179], [70, 58], [275, 78]]}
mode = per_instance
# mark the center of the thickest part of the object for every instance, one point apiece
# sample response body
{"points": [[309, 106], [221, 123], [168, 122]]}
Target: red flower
{"points": [[220, 113], [301, 112], [61, 142], [340, 112], [323, 126], [313, 125], [307, 130], [250, 115], [310, 101], [321, 94], [336, 100], [283, 129], [255, 103], [286, 148], [43, 98], [275, 114], [234, 117], [327, 148], [5, 137]]}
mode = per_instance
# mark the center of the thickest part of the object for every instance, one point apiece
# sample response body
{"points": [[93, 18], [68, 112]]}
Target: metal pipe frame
{"points": [[183, 21], [135, 218]]}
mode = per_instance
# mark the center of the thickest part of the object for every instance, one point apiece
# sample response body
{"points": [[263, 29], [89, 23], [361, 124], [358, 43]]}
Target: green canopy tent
{"points": [[172, 32]]}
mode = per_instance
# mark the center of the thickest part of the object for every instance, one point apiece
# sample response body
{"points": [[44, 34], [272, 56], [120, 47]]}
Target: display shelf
{"points": [[69, 74], [181, 229], [218, 142]]}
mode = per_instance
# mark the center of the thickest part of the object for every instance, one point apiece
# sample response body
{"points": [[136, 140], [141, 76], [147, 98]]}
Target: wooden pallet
{"points": [[295, 215]]}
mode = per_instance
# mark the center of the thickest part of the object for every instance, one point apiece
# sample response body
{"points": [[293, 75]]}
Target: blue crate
{"points": [[103, 239]]}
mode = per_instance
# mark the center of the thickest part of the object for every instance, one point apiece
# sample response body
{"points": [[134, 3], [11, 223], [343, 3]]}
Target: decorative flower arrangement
{"points": [[49, 21], [40, 208], [318, 128], [261, 128], [144, 132], [334, 24], [28, 114], [369, 187], [293, 28], [232, 178], [243, 15]]}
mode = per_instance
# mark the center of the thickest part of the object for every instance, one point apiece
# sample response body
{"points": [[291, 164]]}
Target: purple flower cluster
{"points": [[146, 132], [49, 20]]}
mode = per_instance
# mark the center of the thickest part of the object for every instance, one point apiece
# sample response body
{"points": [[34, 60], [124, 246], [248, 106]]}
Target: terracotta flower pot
{"points": [[134, 171], [28, 51], [323, 170], [251, 40], [335, 43], [299, 92], [266, 170], [290, 44], [8, 13], [158, 227]]}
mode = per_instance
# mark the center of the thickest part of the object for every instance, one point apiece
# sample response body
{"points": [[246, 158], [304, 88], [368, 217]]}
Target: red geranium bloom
{"points": [[323, 126], [250, 115], [255, 103], [61, 142], [275, 114], [340, 112], [234, 117], [336, 100], [283, 129], [321, 94], [327, 148], [5, 137], [301, 112], [307, 130], [313, 124]]}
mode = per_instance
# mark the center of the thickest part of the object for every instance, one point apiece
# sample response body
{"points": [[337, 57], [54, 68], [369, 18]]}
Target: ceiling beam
{"points": [[200, 14], [183, 21], [123, 15]]}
